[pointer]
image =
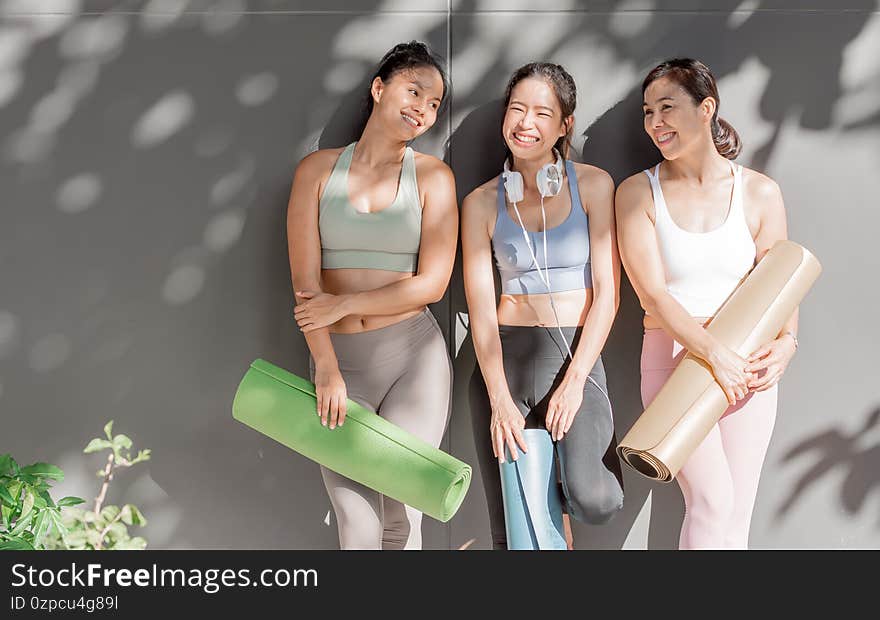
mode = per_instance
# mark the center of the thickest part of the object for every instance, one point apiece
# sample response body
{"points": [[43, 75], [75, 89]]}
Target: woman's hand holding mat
{"points": [[773, 358]]}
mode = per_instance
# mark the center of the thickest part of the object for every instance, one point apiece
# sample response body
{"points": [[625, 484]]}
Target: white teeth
{"points": [[523, 138], [410, 120], [666, 137]]}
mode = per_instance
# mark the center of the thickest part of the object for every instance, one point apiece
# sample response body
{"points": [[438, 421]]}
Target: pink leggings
{"points": [[719, 482]]}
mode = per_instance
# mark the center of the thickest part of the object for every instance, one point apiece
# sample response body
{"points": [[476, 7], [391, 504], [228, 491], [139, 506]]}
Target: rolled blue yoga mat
{"points": [[532, 503]]}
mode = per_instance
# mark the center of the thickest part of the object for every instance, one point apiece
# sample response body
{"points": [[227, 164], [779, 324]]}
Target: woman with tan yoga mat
{"points": [[691, 228]]}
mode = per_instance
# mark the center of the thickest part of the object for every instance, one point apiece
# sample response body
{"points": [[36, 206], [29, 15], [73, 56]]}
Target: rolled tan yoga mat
{"points": [[691, 401]]}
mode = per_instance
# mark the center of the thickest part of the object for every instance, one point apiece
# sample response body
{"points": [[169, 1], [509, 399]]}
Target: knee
{"points": [[594, 504], [713, 505], [359, 536], [397, 532]]}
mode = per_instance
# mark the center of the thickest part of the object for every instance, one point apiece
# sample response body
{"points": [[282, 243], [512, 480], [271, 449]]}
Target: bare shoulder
{"points": [[633, 190], [318, 164], [479, 206], [431, 170], [483, 196], [758, 187], [593, 176], [596, 186]]}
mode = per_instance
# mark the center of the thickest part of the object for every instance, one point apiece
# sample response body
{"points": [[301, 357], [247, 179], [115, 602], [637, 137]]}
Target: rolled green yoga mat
{"points": [[366, 448]]}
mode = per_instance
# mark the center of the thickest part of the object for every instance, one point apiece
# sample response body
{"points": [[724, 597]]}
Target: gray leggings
{"points": [[403, 373], [535, 363]]}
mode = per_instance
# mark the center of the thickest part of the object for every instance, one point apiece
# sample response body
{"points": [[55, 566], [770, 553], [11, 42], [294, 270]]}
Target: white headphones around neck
{"points": [[548, 178]]}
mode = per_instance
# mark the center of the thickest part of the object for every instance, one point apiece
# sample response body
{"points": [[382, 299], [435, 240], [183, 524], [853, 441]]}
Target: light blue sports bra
{"points": [[568, 249]]}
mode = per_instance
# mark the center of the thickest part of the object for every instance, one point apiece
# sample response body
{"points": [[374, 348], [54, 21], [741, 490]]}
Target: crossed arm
{"points": [[316, 310]]}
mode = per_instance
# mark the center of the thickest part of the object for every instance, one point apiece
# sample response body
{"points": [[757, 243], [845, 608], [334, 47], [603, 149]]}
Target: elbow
{"points": [[650, 302], [436, 295], [436, 291]]}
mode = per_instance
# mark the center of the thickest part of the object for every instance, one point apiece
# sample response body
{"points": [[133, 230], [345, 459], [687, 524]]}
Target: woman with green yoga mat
{"points": [[372, 231], [549, 223]]}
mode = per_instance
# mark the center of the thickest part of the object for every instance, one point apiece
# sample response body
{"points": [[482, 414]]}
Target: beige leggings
{"points": [[402, 372]]}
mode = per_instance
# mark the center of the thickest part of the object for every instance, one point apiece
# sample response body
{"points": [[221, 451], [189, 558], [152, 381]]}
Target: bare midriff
{"points": [[536, 311], [349, 281]]}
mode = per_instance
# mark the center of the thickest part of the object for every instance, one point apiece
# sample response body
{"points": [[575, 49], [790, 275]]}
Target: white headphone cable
{"points": [[546, 282]]}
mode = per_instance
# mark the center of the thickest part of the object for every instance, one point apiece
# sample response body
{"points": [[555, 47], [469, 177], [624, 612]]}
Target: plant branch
{"points": [[108, 476], [103, 532]]}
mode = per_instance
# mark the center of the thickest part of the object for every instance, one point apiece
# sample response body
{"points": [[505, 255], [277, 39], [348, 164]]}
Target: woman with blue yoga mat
{"points": [[372, 231], [539, 391]]}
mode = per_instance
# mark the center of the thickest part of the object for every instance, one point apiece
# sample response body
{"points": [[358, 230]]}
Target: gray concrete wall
{"points": [[146, 153]]}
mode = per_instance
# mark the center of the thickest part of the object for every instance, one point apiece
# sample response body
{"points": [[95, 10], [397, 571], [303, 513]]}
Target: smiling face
{"points": [[533, 120], [407, 103], [672, 119]]}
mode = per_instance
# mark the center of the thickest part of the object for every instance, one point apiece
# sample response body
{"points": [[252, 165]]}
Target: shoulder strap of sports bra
{"points": [[501, 202], [737, 197], [336, 189], [409, 185], [340, 168], [656, 191], [573, 188]]}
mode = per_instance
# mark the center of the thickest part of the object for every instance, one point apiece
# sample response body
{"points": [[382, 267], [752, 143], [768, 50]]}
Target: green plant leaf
{"points": [[8, 466], [57, 522], [16, 544], [27, 505], [97, 444], [130, 515], [5, 464], [44, 470], [110, 512], [6, 496], [41, 526], [22, 525], [70, 500], [143, 455], [47, 498], [117, 531], [137, 543], [93, 538], [121, 441], [73, 517], [40, 501], [14, 488], [108, 429]]}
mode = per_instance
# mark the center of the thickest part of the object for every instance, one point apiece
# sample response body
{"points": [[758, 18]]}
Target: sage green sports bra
{"points": [[387, 239]]}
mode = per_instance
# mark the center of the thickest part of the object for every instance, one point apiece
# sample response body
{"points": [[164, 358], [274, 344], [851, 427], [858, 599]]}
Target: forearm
{"points": [[321, 348], [487, 346], [397, 297], [791, 325], [318, 341], [597, 326], [682, 326]]}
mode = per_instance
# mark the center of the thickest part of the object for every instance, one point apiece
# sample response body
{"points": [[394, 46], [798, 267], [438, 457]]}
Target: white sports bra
{"points": [[703, 269]]}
